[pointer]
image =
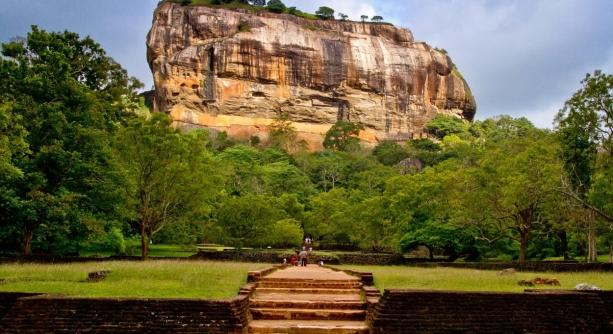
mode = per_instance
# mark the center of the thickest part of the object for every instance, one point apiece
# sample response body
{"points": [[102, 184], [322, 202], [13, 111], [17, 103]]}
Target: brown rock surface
{"points": [[236, 70]]}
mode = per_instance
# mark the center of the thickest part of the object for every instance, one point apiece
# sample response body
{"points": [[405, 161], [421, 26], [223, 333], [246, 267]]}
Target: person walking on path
{"points": [[304, 255]]}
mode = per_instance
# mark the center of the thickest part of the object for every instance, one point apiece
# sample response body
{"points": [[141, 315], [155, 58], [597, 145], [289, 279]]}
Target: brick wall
{"points": [[8, 299], [46, 314], [404, 311]]}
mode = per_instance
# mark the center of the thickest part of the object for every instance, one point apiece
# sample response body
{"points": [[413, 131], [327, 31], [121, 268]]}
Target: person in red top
{"points": [[293, 260]]}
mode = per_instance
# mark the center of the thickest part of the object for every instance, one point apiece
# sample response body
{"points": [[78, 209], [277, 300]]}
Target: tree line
{"points": [[83, 164], [277, 6]]}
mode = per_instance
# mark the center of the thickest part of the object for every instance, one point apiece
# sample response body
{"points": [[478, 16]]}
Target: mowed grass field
{"points": [[222, 280], [154, 279], [401, 277]]}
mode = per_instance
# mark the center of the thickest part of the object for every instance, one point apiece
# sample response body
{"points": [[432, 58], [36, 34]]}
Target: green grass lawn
{"points": [[163, 279], [402, 277]]}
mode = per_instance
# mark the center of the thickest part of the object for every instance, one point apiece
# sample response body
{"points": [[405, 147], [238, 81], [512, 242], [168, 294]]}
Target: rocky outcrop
{"points": [[238, 70]]}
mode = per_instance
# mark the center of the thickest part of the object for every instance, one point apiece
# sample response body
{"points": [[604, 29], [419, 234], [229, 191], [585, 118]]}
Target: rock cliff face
{"points": [[236, 71]]}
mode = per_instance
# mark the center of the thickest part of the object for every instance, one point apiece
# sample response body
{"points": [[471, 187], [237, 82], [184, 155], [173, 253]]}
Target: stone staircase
{"points": [[308, 300]]}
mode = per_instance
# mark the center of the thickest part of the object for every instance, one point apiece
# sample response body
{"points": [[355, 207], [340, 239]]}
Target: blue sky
{"points": [[520, 57]]}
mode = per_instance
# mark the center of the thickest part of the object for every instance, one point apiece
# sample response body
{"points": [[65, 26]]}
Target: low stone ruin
{"points": [[540, 281], [507, 272], [98, 276]]}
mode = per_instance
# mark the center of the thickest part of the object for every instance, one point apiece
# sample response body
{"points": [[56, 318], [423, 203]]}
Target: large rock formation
{"points": [[238, 70]]}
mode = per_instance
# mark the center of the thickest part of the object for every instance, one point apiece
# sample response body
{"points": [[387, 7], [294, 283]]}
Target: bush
{"points": [[443, 125], [115, 241], [389, 153], [325, 13], [276, 6]]}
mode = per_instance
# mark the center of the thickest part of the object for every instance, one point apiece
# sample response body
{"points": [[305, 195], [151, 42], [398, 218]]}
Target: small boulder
{"points": [[587, 287], [525, 283], [98, 276], [507, 272], [540, 281], [546, 281]]}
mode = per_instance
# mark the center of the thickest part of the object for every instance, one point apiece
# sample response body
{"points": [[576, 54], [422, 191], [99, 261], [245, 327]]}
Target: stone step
{"points": [[308, 304], [321, 297], [307, 327], [311, 284], [306, 314], [308, 290], [298, 280]]}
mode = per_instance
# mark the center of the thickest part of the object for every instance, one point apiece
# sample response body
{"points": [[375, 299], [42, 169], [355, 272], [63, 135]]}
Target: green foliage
{"points": [[276, 6], [284, 234], [64, 98], [377, 18], [83, 167], [443, 125], [169, 174], [585, 125], [585, 130], [247, 220], [325, 13], [343, 136], [389, 153]]}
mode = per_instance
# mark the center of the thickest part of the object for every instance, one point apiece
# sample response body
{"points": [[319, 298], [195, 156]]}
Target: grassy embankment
{"points": [[400, 277], [163, 279]]}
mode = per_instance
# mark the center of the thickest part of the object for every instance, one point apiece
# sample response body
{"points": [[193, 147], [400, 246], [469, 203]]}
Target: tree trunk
{"points": [[611, 253], [523, 246], [563, 244], [28, 234], [430, 251], [143, 242], [592, 239]]}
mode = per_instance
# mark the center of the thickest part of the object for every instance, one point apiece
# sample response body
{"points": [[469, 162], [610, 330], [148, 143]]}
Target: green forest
{"points": [[84, 164]]}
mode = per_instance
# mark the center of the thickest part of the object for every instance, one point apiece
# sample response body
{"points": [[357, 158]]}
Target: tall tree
{"points": [[513, 183], [65, 95], [585, 127], [169, 172]]}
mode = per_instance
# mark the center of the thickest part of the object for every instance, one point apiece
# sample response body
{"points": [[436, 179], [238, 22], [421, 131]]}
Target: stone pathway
{"points": [[308, 300]]}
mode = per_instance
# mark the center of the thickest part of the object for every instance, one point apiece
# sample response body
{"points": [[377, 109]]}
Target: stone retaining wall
{"points": [[538, 266], [50, 314], [405, 311]]}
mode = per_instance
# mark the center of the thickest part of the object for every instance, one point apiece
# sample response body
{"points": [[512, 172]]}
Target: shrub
{"points": [[115, 241], [443, 125], [325, 13], [276, 6]]}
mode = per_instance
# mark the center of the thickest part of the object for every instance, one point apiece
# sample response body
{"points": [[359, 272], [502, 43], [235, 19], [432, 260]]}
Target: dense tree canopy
{"points": [[62, 98], [79, 167]]}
